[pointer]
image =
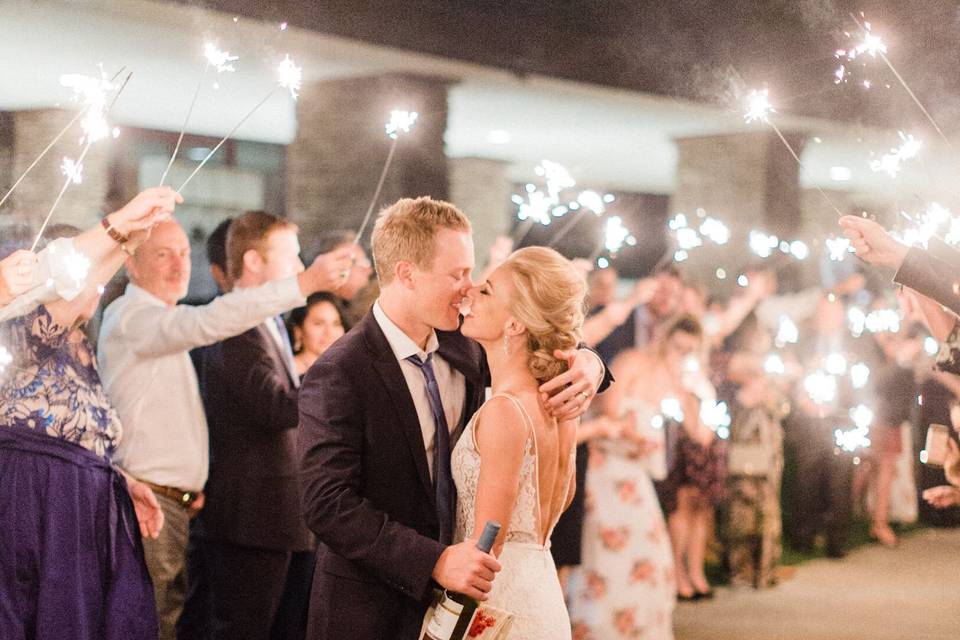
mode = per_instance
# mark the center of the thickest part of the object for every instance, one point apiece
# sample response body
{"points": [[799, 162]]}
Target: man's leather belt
{"points": [[182, 497]]}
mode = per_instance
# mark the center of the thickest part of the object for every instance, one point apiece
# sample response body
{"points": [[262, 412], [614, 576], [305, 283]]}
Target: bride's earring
{"points": [[506, 344]]}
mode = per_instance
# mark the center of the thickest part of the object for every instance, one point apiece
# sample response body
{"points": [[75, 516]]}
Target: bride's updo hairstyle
{"points": [[549, 303]]}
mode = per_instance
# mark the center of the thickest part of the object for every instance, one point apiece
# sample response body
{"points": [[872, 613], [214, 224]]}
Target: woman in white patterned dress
{"points": [[625, 585], [514, 463]]}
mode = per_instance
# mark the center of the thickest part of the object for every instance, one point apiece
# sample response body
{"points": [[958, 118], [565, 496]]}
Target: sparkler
{"points": [[219, 60], [930, 346], [821, 387], [94, 126], [671, 408], [874, 46], [716, 416], [87, 105], [890, 162], [615, 235], [400, 122], [787, 332], [859, 375], [538, 205], [759, 109], [838, 248], [288, 77], [590, 200], [774, 365]]}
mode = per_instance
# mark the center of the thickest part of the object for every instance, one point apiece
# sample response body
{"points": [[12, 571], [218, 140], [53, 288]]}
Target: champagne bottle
{"points": [[454, 612]]}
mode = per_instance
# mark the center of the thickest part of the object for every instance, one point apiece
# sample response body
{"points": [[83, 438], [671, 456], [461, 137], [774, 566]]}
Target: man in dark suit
{"points": [[379, 413], [253, 539]]}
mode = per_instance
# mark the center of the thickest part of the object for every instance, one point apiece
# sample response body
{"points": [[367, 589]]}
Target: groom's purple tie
{"points": [[442, 477]]}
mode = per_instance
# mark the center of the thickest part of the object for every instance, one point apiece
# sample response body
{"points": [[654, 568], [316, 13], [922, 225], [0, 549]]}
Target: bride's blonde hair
{"points": [[549, 303]]}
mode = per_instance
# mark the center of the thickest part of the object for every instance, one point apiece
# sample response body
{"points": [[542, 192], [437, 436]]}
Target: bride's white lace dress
{"points": [[527, 585]]}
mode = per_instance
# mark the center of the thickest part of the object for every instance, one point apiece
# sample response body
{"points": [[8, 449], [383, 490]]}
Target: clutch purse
{"points": [[488, 622]]}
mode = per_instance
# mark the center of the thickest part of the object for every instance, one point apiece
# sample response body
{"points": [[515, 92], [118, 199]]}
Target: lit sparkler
{"points": [[838, 248], [930, 346], [787, 332], [219, 60], [890, 162], [821, 387], [671, 408], [400, 122], [716, 416], [774, 365], [859, 375], [759, 108], [288, 77], [87, 105], [94, 125], [72, 170], [874, 46], [615, 235]]}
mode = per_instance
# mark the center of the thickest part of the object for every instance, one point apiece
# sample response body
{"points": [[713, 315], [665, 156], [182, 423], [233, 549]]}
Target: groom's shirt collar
{"points": [[401, 344]]}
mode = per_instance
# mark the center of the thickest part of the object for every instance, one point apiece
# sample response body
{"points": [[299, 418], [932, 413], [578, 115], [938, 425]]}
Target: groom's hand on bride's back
{"points": [[465, 569]]}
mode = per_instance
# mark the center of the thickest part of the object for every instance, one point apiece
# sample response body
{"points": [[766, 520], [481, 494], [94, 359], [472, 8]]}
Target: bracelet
{"points": [[115, 235]]}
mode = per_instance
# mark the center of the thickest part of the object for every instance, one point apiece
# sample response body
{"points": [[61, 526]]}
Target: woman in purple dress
{"points": [[71, 562]]}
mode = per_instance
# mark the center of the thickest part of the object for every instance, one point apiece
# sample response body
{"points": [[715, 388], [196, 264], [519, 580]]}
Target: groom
{"points": [[379, 414]]}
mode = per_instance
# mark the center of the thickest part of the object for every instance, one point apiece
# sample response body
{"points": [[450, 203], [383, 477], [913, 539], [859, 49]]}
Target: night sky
{"points": [[694, 49]]}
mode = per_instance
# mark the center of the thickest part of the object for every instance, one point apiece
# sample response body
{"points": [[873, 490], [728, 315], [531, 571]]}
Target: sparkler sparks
{"points": [[615, 235], [758, 106], [671, 408], [400, 122], [289, 76], [859, 375], [72, 170], [716, 416], [787, 332], [890, 162], [838, 248], [92, 93], [774, 365], [821, 387], [219, 59], [592, 200]]}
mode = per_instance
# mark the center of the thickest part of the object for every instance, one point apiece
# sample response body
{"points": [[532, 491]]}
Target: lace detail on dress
{"points": [[465, 465]]}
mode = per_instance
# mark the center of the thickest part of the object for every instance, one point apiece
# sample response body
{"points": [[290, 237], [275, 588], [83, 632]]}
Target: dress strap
{"points": [[536, 453]]}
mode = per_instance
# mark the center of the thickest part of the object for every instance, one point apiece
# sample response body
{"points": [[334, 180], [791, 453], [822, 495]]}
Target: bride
{"points": [[514, 463]]}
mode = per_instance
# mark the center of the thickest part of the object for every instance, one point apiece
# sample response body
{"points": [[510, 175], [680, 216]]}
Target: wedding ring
{"points": [[584, 395]]}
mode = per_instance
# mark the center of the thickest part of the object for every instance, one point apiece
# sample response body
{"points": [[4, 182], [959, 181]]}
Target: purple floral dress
{"points": [[52, 386]]}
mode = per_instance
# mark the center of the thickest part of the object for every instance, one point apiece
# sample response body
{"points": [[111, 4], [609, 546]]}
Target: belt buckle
{"points": [[186, 498]]}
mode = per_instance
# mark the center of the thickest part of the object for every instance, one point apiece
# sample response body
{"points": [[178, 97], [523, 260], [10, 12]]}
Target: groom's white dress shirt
{"points": [[451, 382]]}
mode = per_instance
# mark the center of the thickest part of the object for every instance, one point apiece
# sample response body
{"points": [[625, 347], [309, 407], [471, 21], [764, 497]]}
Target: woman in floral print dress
{"points": [[626, 587]]}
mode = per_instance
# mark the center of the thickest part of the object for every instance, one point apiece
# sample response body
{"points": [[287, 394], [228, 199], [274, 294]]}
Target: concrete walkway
{"points": [[909, 593]]}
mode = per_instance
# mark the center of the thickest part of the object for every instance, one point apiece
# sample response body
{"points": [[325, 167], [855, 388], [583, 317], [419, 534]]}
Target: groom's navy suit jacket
{"points": [[366, 487]]}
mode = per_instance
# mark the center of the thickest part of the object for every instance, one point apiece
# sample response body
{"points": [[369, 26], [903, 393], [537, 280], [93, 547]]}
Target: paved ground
{"points": [[909, 593]]}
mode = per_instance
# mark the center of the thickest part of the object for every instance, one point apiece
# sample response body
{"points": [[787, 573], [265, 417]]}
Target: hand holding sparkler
{"points": [[872, 243], [328, 271], [149, 207], [16, 275]]}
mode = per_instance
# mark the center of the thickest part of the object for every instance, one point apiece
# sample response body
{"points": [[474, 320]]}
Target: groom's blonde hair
{"points": [[405, 231]]}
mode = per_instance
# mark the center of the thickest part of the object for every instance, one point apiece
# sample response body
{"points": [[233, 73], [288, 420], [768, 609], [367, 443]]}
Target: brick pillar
{"points": [[81, 204], [481, 189], [340, 149], [749, 181]]}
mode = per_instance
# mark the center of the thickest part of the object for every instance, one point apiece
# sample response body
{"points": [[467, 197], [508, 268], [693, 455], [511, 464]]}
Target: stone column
{"points": [[481, 189], [747, 180], [340, 149], [81, 204]]}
